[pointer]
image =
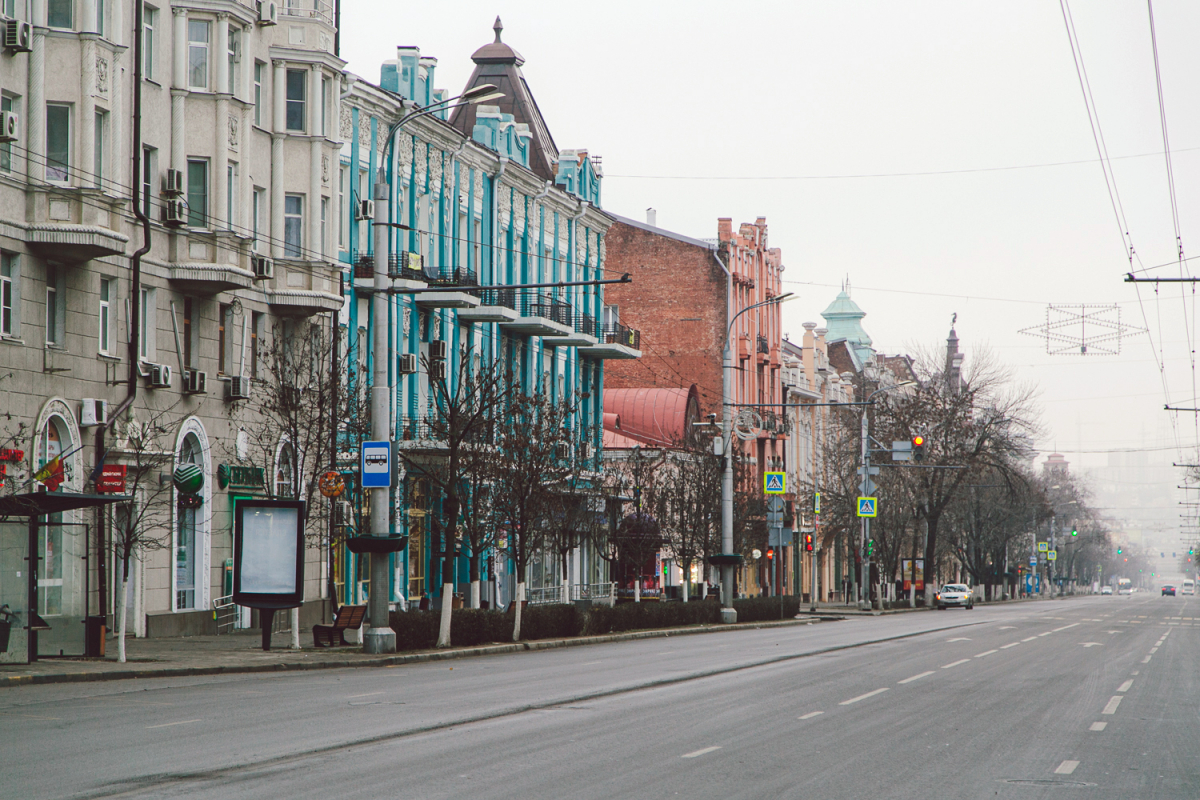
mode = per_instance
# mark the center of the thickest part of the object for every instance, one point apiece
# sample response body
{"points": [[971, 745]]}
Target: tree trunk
{"points": [[683, 588], [121, 601], [450, 505], [447, 605], [295, 625], [517, 611], [473, 568], [475, 593]]}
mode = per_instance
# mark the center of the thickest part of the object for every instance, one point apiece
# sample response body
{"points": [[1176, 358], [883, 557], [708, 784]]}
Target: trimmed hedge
{"points": [[418, 630]]}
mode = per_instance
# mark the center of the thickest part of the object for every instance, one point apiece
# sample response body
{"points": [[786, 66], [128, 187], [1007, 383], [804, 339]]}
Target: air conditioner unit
{"points": [[343, 513], [174, 213], [437, 370], [238, 388], [9, 128], [195, 381], [173, 182], [437, 350], [264, 268], [268, 12], [93, 411], [408, 364], [18, 36], [365, 210], [160, 376]]}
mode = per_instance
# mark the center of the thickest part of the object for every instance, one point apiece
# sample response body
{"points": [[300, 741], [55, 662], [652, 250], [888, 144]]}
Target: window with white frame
{"points": [[324, 224], [293, 226], [198, 38], [9, 8], [235, 41], [108, 295], [99, 151], [60, 13], [55, 305], [197, 192], [324, 105], [7, 103], [149, 161], [284, 482], [343, 210], [10, 295], [259, 201], [58, 142], [259, 68], [295, 99], [149, 20], [147, 324], [230, 194]]}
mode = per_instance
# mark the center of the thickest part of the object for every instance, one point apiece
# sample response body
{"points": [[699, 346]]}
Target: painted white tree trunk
{"points": [[683, 589], [637, 591], [475, 594], [517, 614], [704, 590], [121, 601], [295, 626], [447, 604]]}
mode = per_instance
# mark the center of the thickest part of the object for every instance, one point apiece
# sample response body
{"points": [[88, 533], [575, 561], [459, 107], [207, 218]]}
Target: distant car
{"points": [[954, 594], [1189, 586], [1168, 590], [1105, 590]]}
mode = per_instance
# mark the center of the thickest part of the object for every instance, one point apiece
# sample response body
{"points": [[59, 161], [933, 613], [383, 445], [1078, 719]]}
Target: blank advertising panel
{"points": [[268, 553]]}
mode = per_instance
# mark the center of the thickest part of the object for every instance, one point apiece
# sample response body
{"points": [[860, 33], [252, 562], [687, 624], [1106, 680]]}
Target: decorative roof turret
{"points": [[844, 318]]}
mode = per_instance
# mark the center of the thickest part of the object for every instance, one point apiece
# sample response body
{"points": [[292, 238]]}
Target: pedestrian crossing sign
{"points": [[774, 482], [1043, 547], [867, 507]]}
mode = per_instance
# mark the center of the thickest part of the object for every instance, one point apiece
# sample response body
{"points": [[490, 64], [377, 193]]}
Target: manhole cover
{"points": [[1047, 782]]}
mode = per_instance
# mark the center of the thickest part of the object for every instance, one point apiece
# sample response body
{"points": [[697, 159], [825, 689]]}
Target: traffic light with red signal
{"points": [[808, 543], [770, 553]]}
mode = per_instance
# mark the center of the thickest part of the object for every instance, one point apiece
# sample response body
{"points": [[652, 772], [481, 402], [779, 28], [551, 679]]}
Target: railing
{"points": [[364, 267], [547, 307], [505, 298], [596, 592], [309, 9], [586, 324], [407, 266], [225, 614], [619, 334], [545, 596], [452, 276], [764, 346]]}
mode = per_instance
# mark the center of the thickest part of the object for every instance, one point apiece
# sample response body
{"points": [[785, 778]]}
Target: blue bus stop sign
{"points": [[376, 465]]}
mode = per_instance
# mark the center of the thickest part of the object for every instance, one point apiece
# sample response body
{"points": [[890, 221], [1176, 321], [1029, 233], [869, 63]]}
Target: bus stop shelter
{"points": [[22, 518]]}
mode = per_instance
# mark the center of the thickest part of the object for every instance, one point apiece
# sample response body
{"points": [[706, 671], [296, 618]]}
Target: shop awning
{"points": [[35, 504]]}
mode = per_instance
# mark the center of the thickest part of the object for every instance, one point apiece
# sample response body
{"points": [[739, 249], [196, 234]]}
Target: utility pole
{"points": [[864, 601], [728, 613]]}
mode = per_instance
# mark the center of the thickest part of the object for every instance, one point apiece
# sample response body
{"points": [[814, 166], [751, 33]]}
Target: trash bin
{"points": [[5, 629], [94, 631]]}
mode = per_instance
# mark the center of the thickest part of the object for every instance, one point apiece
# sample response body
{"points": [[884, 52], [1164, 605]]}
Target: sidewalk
{"points": [[242, 653]]}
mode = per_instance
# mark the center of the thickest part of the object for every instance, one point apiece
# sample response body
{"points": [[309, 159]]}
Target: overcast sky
{"points": [[788, 101]]}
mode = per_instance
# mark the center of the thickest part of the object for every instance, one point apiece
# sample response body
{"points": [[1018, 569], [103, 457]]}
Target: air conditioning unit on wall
{"points": [[173, 182], [268, 12], [93, 411], [238, 388], [10, 130], [174, 213], [195, 381], [365, 210], [407, 364], [160, 376], [264, 268], [437, 350], [18, 36]]}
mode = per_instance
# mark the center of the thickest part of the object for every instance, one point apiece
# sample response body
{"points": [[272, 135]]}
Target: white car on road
{"points": [[954, 594]]}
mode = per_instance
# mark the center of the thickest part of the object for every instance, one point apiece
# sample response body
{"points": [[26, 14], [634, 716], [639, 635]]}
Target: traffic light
{"points": [[770, 553], [870, 547], [1074, 530], [918, 450], [808, 543], [1119, 552]]}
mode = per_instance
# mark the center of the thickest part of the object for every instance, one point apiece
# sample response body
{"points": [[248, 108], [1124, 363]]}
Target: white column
{"points": [[220, 164], [244, 137], [179, 46], [316, 143], [86, 123], [35, 124], [279, 122]]}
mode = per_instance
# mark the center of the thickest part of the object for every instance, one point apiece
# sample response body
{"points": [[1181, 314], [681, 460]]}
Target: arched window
{"points": [[185, 539], [52, 442], [284, 471]]}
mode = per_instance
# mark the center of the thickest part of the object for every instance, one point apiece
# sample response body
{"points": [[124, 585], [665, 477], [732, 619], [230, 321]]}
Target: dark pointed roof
{"points": [[500, 65]]}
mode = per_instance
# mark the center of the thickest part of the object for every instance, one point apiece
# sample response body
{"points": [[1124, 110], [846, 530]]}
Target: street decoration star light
{"points": [[1083, 330]]}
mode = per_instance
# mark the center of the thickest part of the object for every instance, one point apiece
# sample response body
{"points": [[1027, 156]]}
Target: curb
{"points": [[399, 660]]}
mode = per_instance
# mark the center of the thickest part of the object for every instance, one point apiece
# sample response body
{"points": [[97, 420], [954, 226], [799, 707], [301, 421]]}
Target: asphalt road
{"points": [[1091, 698]]}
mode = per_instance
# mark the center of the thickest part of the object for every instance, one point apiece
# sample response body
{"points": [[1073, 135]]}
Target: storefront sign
{"points": [[10, 455], [111, 479], [239, 477]]}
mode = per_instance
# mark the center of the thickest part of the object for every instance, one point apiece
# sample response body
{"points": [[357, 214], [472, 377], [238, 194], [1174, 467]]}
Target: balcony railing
{"points": [[452, 277], [547, 307], [617, 333], [505, 298], [586, 323], [764, 346], [308, 9], [407, 266]]}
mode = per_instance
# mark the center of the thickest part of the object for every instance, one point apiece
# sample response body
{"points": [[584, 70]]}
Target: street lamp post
{"points": [[728, 613], [379, 636]]}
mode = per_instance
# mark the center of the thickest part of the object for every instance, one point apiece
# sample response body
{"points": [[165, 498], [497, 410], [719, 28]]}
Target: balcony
{"points": [[541, 315], [586, 333], [208, 262], [763, 349], [460, 285], [73, 225], [616, 341], [496, 305], [403, 273], [304, 288], [743, 346]]}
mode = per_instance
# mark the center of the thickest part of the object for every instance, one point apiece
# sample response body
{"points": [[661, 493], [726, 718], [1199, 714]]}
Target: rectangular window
{"points": [[147, 318], [324, 223], [53, 306], [230, 194], [256, 326], [58, 142], [149, 19], [148, 160], [101, 143], [9, 8], [259, 66], [295, 99], [612, 316], [224, 328], [10, 295], [6, 104], [259, 199], [293, 225], [197, 192], [343, 211], [324, 105], [59, 13], [107, 295], [234, 42], [198, 33]]}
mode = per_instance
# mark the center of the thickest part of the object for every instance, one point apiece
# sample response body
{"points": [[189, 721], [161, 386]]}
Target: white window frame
{"points": [[297, 220], [324, 226], [149, 163], [99, 150], [68, 6], [149, 20], [206, 219], [325, 105], [300, 103], [258, 199], [70, 143], [196, 47], [234, 55], [10, 295], [148, 325], [231, 174], [8, 102], [260, 67], [55, 306]]}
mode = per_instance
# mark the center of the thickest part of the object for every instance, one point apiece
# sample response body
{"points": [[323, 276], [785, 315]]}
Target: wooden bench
{"points": [[348, 618]]}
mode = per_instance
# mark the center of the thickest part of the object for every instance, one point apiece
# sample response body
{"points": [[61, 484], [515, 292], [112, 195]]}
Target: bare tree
{"points": [[691, 504], [638, 536]]}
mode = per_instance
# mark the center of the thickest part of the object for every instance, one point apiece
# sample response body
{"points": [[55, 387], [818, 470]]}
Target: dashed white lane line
{"points": [[1007, 627], [1146, 660], [956, 663], [810, 715], [169, 724], [1098, 726], [368, 694], [1030, 639], [1064, 627], [862, 697], [1124, 687], [986, 653], [917, 677], [1047, 633], [1066, 768], [1113, 702], [696, 753], [1010, 644], [1153, 650]]}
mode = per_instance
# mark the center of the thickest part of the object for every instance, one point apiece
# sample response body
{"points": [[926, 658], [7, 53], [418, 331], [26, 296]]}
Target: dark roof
{"points": [[35, 504], [500, 65]]}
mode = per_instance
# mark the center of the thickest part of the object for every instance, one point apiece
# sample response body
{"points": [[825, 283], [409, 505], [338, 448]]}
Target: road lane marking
{"points": [[956, 663], [986, 653], [1064, 627], [1091, 644], [1047, 633], [1146, 660], [368, 694], [1010, 644], [811, 714], [1135, 672], [1154, 649], [862, 697], [1098, 726], [917, 677], [1008, 627], [1030, 639], [1113, 702], [1124, 687], [1066, 768], [169, 724], [700, 752], [959, 639]]}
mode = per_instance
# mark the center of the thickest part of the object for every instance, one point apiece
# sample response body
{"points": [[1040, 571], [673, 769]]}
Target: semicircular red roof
{"points": [[653, 416]]}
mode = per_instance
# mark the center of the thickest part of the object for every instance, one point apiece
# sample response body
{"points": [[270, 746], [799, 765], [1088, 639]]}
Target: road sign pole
{"points": [[864, 568]]}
